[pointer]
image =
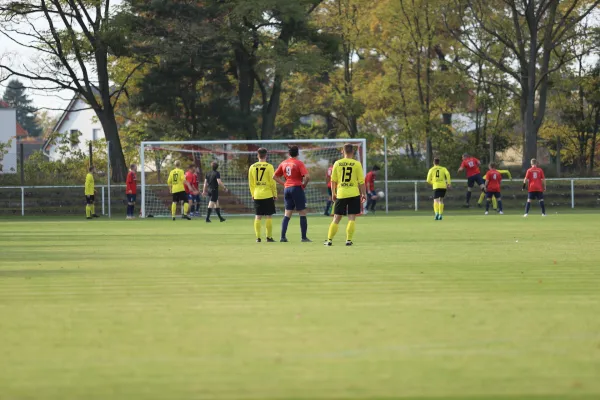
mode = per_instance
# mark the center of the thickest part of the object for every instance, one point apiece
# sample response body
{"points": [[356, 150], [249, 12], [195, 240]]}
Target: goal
{"points": [[234, 157]]}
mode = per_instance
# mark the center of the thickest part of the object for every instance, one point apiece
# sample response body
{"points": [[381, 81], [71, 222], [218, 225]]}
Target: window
{"points": [[74, 135], [96, 134]]}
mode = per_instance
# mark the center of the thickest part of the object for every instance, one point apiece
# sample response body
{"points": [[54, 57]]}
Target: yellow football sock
{"points": [[436, 207], [441, 207], [88, 210], [333, 230], [173, 209], [269, 225], [481, 198], [350, 228], [186, 208], [494, 202], [257, 228], [93, 209]]}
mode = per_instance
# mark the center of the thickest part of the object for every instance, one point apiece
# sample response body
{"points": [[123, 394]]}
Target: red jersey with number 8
{"points": [[293, 170], [494, 179], [535, 176], [471, 164]]}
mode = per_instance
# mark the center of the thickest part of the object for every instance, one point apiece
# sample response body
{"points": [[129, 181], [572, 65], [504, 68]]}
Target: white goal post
{"points": [[234, 157]]}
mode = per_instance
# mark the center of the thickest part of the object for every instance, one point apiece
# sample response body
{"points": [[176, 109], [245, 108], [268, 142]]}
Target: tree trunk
{"points": [[594, 137], [245, 77], [271, 109], [111, 132]]}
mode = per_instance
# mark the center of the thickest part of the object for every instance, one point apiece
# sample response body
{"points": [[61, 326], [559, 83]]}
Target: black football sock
{"points": [[303, 226], [543, 206], [218, 211], [208, 212], [500, 205], [468, 197], [487, 206], [373, 203], [284, 225], [527, 207]]}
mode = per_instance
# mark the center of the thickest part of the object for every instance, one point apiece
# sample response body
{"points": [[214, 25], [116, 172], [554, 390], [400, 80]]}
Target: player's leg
{"points": [[215, 200], [328, 205], [211, 206], [354, 206], [300, 202], [498, 198], [174, 206], [289, 210], [197, 205], [133, 199], [488, 200], [335, 223], [530, 195], [93, 207], [88, 207], [436, 207], [257, 226], [479, 180], [441, 206], [470, 184], [481, 198], [373, 200], [542, 204]]}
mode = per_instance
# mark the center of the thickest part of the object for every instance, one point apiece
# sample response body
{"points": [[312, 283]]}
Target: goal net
{"points": [[234, 159]]}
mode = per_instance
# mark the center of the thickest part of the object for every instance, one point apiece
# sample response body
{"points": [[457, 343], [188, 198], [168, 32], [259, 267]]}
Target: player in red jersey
{"points": [[471, 164], [535, 182], [131, 190], [191, 189], [196, 187], [328, 181], [370, 186], [296, 178], [493, 179]]}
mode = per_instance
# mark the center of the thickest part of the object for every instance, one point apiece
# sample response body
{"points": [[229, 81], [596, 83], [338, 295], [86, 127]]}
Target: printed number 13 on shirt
{"points": [[346, 174]]}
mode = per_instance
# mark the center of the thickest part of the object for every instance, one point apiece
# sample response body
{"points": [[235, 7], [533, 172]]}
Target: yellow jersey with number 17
{"points": [[261, 182], [349, 175], [176, 178], [439, 177]]}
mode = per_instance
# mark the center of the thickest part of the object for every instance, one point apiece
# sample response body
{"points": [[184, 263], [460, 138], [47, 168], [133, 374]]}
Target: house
{"points": [[79, 125], [9, 129]]}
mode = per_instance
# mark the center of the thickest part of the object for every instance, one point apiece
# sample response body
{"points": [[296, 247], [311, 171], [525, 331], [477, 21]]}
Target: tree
{"points": [[16, 97], [535, 35], [74, 51]]}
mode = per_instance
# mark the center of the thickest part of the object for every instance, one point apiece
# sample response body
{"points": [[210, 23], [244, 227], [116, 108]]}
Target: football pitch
{"points": [[472, 307]]}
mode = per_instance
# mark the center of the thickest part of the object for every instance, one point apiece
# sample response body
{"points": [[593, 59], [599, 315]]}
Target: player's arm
{"points": [[334, 182], [305, 175], [170, 182], [544, 180], [272, 183], [462, 167], [220, 182], [361, 184], [506, 172], [204, 187], [430, 177], [188, 185], [525, 181], [448, 178], [277, 176]]}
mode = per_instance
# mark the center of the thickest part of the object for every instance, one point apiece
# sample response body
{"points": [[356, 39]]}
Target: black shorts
{"points": [[90, 199], [489, 195], [475, 178], [131, 198], [535, 195], [179, 197], [264, 207], [213, 195], [348, 206], [439, 193]]}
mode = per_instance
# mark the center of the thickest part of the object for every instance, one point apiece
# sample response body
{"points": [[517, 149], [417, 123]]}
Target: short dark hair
{"points": [[262, 152], [534, 161], [191, 166], [132, 165], [294, 151], [214, 165], [465, 154], [436, 161], [376, 168], [348, 148], [493, 165]]}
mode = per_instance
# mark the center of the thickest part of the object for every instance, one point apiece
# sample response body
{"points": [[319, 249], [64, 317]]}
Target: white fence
{"points": [[401, 195]]}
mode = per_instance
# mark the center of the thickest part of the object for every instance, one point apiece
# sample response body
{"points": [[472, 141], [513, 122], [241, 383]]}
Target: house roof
{"points": [[21, 132], [62, 119]]}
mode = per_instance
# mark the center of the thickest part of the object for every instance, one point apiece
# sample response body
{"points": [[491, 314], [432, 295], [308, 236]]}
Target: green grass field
{"points": [[157, 309]]}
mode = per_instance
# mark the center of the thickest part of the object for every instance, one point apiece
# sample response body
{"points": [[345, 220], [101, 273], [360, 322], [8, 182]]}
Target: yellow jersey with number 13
{"points": [[439, 177], [261, 182], [349, 175], [176, 178]]}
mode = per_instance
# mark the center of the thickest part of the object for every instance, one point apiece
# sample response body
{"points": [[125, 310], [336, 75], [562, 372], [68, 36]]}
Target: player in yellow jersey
{"points": [[264, 193], [90, 194], [439, 178], [348, 192], [494, 201], [177, 184]]}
